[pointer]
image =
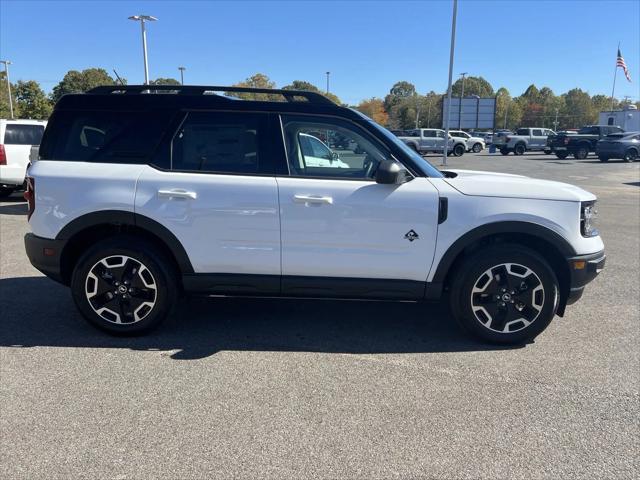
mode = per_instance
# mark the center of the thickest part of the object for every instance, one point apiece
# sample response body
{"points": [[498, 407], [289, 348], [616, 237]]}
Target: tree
{"points": [[164, 81], [374, 108], [503, 105], [5, 111], [31, 100], [78, 82], [310, 87], [400, 90], [578, 109], [258, 80], [472, 86]]}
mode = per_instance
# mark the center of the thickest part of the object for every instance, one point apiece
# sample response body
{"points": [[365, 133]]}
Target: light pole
{"points": [[448, 109], [555, 122], [142, 19], [182, 69], [328, 73], [6, 70], [463, 74]]}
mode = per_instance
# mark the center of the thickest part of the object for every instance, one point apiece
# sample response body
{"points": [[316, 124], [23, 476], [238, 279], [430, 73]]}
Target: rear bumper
{"points": [[12, 175], [44, 254], [583, 268]]}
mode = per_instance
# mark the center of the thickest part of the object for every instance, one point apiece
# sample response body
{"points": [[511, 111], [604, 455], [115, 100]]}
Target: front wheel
{"points": [[477, 148], [581, 152], [630, 155], [562, 155], [124, 286], [458, 150], [602, 158], [507, 294]]}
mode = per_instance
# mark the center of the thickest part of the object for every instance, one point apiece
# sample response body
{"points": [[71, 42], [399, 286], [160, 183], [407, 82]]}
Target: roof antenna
{"points": [[118, 77]]}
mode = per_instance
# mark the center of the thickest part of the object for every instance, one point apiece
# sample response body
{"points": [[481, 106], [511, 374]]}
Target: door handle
{"points": [[316, 199], [177, 193]]}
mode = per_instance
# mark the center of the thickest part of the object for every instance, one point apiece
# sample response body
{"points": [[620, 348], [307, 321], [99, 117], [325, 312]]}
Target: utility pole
{"points": [[6, 70], [142, 19], [445, 149], [463, 74], [328, 73], [182, 69], [555, 122]]}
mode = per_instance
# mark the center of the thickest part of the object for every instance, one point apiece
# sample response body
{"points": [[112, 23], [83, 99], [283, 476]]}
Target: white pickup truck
{"points": [[525, 139], [431, 140]]}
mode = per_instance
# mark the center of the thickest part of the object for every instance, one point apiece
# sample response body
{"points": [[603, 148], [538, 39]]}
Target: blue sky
{"points": [[367, 46]]}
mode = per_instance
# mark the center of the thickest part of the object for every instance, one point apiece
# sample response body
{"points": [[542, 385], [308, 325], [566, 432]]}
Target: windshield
{"points": [[427, 168]]}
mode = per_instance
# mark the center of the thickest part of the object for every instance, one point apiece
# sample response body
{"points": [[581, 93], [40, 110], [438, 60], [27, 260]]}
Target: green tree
{"points": [[503, 105], [258, 80], [31, 100], [77, 82], [578, 109], [164, 81], [4, 97], [400, 90], [472, 86], [310, 87]]}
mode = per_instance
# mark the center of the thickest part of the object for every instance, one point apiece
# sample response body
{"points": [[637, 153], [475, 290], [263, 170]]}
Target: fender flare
{"points": [[489, 229], [122, 217]]}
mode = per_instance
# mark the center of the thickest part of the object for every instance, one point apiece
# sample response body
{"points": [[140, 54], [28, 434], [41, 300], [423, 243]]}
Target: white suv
{"points": [[138, 197], [474, 144], [16, 139]]}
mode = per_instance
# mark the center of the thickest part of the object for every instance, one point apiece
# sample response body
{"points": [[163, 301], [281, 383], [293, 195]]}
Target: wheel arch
{"points": [[87, 229], [544, 241]]}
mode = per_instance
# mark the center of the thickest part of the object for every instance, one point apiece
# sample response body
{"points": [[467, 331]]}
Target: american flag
{"points": [[620, 63]]}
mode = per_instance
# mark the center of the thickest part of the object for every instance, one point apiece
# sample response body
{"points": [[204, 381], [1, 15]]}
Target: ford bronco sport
{"points": [[141, 193]]}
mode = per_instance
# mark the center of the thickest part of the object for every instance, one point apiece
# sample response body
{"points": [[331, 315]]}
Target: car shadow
{"points": [[39, 312], [633, 184], [14, 209]]}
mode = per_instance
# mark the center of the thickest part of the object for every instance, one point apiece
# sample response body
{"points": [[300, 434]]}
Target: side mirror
{"points": [[391, 173]]}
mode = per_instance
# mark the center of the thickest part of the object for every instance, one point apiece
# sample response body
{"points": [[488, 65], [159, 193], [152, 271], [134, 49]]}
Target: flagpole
{"points": [[615, 73]]}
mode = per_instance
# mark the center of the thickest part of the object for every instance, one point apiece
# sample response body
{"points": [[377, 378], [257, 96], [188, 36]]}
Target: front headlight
{"points": [[588, 214]]}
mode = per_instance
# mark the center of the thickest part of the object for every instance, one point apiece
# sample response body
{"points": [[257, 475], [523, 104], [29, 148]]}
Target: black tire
{"points": [[135, 288], [602, 158], [581, 152], [519, 149], [494, 312], [477, 148], [6, 191], [504, 151], [562, 155], [631, 155], [458, 150]]}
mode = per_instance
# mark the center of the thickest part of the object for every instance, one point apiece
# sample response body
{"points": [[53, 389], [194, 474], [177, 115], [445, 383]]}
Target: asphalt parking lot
{"points": [[261, 388]]}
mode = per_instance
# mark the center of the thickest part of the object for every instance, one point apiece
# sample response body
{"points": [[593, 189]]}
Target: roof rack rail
{"points": [[289, 95]]}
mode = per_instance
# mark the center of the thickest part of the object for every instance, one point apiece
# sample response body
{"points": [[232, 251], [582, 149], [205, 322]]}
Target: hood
{"points": [[488, 184]]}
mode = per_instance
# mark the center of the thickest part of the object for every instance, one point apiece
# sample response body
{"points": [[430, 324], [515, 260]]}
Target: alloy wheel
{"points": [[507, 297], [121, 289]]}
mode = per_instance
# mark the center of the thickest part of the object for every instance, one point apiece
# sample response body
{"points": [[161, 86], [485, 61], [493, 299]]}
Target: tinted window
{"points": [[589, 131], [218, 142], [522, 131], [102, 136], [309, 155], [428, 133], [536, 132], [20, 134]]}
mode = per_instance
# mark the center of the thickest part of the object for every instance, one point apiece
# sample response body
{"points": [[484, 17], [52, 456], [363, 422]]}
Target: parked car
{"points": [[474, 144], [579, 144], [16, 139], [431, 140], [525, 139], [137, 197], [486, 136], [619, 145]]}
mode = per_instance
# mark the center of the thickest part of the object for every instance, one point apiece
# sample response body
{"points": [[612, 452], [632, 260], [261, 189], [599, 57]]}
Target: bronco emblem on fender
{"points": [[411, 235]]}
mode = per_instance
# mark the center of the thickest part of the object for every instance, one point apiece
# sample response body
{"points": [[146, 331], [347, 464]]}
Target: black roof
{"points": [[199, 97]]}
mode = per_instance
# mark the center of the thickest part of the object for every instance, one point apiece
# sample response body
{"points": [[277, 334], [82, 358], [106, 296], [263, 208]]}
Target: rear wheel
{"points": [[630, 155], [124, 286], [477, 148], [507, 294], [581, 152], [562, 155], [6, 191], [520, 149], [458, 150]]}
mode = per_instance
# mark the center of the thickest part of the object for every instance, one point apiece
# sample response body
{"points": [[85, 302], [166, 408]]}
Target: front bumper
{"points": [[44, 254], [583, 269]]}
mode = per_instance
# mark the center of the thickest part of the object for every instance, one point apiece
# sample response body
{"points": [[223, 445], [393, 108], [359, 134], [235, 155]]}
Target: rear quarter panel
{"points": [[68, 190]]}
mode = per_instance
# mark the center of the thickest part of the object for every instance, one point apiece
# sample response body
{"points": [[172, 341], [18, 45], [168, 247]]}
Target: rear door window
{"points": [[20, 134]]}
